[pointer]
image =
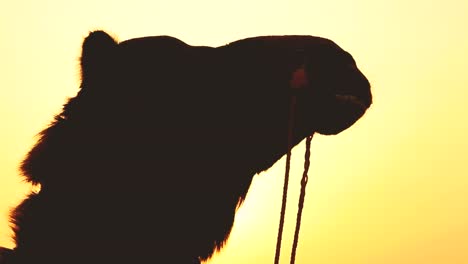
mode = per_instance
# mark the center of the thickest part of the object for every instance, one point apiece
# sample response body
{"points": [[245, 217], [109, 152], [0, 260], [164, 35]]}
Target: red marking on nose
{"points": [[299, 79]]}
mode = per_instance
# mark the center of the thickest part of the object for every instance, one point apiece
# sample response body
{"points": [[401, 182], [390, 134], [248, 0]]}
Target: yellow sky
{"points": [[392, 189]]}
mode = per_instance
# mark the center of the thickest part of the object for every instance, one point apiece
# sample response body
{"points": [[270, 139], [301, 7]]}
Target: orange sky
{"points": [[392, 189]]}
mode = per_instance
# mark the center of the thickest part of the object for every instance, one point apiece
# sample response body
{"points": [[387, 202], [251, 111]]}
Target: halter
{"points": [[298, 81]]}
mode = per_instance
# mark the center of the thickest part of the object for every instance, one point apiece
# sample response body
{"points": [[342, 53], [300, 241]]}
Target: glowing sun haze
{"points": [[391, 189]]}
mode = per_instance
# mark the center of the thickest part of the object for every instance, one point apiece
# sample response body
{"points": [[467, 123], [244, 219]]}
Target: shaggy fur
{"points": [[151, 159]]}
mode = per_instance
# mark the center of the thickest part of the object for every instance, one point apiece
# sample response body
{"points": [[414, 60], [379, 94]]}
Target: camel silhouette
{"points": [[151, 159]]}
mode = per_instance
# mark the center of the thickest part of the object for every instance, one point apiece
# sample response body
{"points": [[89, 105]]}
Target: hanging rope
{"points": [[292, 107], [299, 80], [304, 181]]}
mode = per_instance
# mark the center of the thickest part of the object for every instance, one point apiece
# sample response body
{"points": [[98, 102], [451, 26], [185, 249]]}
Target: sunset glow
{"points": [[391, 189]]}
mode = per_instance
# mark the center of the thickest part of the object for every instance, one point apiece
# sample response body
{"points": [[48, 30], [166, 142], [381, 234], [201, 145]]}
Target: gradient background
{"points": [[392, 189]]}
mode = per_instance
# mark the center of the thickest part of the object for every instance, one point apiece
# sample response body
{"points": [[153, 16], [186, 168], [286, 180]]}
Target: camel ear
{"points": [[299, 78], [96, 58]]}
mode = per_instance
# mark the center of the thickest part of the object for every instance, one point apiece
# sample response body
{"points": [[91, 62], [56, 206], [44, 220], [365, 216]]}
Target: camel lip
{"points": [[352, 99], [342, 113]]}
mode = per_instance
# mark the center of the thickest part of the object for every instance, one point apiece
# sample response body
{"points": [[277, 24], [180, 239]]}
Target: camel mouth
{"points": [[341, 113], [353, 100]]}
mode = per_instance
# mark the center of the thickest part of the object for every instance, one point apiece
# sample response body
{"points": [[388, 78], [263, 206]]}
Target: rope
{"points": [[292, 107], [298, 81], [304, 181]]}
